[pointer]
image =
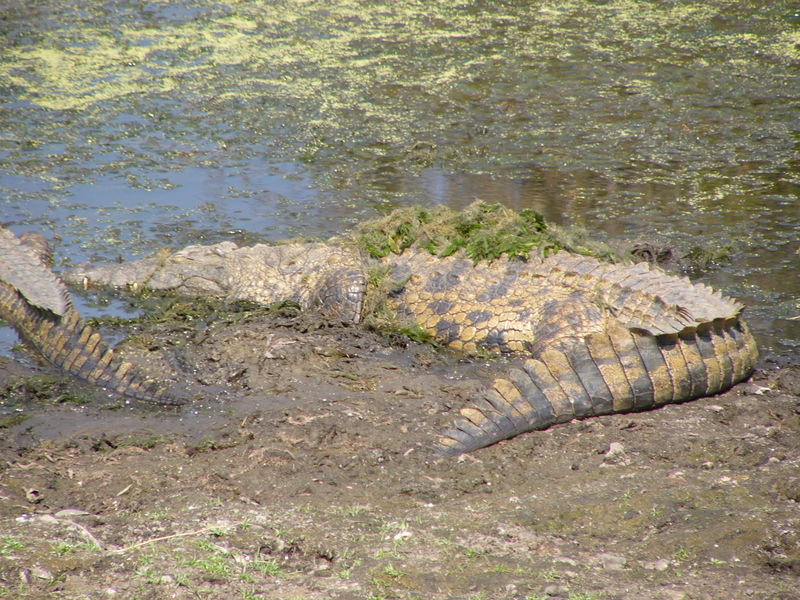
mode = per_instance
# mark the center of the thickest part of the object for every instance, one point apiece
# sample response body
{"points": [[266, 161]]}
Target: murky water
{"points": [[128, 126]]}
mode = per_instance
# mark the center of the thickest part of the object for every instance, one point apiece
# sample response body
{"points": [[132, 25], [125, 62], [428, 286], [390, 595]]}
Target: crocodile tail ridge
{"points": [[72, 345], [618, 370]]}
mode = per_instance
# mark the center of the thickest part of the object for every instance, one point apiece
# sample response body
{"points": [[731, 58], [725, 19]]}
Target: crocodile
{"points": [[584, 337], [38, 305]]}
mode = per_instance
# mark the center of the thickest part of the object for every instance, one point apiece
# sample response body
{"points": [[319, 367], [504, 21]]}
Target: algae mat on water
{"points": [[472, 86]]}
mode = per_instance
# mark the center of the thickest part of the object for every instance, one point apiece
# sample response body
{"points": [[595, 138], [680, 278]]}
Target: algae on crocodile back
{"points": [[483, 231], [378, 315]]}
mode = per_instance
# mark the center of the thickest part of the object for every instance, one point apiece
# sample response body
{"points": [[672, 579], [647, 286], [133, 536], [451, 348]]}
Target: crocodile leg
{"points": [[618, 370]]}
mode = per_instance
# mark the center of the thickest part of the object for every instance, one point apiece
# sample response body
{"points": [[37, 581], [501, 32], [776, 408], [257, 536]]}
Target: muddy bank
{"points": [[308, 475]]}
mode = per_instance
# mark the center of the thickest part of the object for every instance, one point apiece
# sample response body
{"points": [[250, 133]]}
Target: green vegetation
{"points": [[484, 231], [55, 389], [8, 544], [63, 548], [268, 567], [386, 577], [218, 562], [212, 562], [682, 554]]}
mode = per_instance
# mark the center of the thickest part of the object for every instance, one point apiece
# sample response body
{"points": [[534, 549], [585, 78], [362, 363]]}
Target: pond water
{"points": [[127, 126]]}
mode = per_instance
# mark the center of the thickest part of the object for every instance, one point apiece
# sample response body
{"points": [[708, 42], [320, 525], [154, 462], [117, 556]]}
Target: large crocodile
{"points": [[591, 338], [37, 304]]}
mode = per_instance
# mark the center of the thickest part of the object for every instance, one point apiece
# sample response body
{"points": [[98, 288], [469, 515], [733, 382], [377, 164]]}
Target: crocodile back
{"points": [[598, 338], [640, 296]]}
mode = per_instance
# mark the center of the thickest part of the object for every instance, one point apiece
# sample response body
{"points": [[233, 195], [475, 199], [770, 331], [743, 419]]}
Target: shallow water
{"points": [[128, 126]]}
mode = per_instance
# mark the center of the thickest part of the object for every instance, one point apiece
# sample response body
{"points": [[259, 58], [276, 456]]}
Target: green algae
{"points": [[478, 87], [483, 231]]}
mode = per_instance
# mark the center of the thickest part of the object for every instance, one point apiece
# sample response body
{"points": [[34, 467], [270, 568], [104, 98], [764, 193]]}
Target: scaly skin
{"points": [[599, 338], [592, 338], [36, 303]]}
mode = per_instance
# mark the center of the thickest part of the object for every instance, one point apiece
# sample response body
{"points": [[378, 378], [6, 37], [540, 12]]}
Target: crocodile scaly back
{"points": [[600, 339]]}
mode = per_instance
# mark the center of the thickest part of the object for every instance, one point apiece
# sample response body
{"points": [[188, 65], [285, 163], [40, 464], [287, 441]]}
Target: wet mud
{"points": [[301, 467]]}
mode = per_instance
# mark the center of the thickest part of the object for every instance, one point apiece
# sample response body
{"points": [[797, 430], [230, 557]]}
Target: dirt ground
{"points": [[302, 470]]}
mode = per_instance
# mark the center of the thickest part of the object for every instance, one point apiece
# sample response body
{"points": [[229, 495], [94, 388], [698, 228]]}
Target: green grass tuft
{"points": [[483, 231]]}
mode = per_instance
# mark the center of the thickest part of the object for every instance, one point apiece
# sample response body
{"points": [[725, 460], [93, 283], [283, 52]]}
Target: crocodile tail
{"points": [[620, 370], [23, 267], [71, 345]]}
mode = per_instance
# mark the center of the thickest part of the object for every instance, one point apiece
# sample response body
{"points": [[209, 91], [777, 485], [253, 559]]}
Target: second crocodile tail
{"points": [[71, 345]]}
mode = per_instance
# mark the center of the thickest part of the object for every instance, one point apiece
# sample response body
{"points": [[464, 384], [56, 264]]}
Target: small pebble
{"points": [[41, 573], [556, 590], [614, 449], [660, 565], [49, 519], [612, 562], [71, 512]]}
